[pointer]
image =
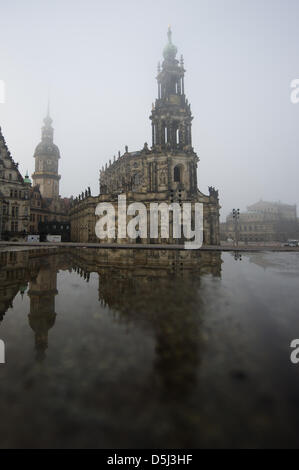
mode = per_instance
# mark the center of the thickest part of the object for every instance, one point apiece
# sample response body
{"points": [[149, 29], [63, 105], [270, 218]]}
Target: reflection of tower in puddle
{"points": [[166, 308], [164, 298], [42, 292]]}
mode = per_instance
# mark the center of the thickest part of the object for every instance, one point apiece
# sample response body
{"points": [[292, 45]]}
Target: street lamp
{"points": [[236, 217], [237, 256]]}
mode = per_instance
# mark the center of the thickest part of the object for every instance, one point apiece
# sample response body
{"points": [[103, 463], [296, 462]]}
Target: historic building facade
{"points": [[14, 197], [23, 205], [166, 172], [43, 210], [263, 222]]}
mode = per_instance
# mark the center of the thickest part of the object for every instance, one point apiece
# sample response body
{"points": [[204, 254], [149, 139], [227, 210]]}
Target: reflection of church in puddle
{"points": [[157, 291], [135, 286]]}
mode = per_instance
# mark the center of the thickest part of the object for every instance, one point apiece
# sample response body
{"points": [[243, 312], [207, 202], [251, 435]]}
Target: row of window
{"points": [[14, 210], [18, 194], [53, 227], [252, 228], [10, 176], [38, 218], [14, 226], [35, 203], [5, 257], [250, 238]]}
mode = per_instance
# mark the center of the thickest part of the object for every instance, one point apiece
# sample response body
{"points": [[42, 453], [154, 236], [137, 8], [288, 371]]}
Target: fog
{"points": [[98, 62]]}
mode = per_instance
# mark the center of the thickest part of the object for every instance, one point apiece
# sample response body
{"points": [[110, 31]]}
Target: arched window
{"points": [[177, 174]]}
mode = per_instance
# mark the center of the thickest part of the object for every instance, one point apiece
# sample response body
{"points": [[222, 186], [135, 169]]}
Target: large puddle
{"points": [[156, 350]]}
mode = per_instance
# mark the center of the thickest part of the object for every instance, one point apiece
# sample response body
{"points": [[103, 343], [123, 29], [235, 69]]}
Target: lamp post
{"points": [[236, 217], [237, 256]]}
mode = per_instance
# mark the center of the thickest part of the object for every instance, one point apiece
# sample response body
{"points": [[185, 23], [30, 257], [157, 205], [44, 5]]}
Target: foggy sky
{"points": [[99, 60]]}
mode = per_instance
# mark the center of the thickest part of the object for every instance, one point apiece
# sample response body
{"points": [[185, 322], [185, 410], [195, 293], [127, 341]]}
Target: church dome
{"points": [[47, 148], [170, 51]]}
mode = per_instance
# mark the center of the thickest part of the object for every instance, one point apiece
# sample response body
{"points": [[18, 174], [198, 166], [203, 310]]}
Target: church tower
{"points": [[46, 162], [171, 116]]}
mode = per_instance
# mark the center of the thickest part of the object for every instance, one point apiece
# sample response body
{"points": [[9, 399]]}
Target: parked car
{"points": [[292, 243]]}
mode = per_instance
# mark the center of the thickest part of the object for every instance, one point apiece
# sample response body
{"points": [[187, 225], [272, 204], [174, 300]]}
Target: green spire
{"points": [[27, 180]]}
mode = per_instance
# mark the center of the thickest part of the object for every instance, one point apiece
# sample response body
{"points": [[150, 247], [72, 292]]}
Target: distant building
{"points": [[277, 210], [166, 172], [264, 222], [54, 228]]}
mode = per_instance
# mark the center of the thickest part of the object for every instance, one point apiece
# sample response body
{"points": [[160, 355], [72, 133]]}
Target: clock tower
{"points": [[46, 162]]}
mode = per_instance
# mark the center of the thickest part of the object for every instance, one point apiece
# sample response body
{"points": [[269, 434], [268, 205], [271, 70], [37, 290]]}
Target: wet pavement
{"points": [[163, 350]]}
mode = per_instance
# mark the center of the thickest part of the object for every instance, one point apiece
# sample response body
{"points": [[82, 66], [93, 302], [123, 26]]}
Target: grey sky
{"points": [[99, 59]]}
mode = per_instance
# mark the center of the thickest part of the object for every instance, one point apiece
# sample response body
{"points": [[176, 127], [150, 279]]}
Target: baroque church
{"points": [[166, 172]]}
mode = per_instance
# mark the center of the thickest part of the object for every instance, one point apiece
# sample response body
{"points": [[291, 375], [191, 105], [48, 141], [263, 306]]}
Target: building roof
{"points": [[265, 205], [47, 146], [5, 153]]}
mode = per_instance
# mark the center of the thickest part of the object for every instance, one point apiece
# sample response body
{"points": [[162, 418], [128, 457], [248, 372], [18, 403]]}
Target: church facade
{"points": [[166, 172]]}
